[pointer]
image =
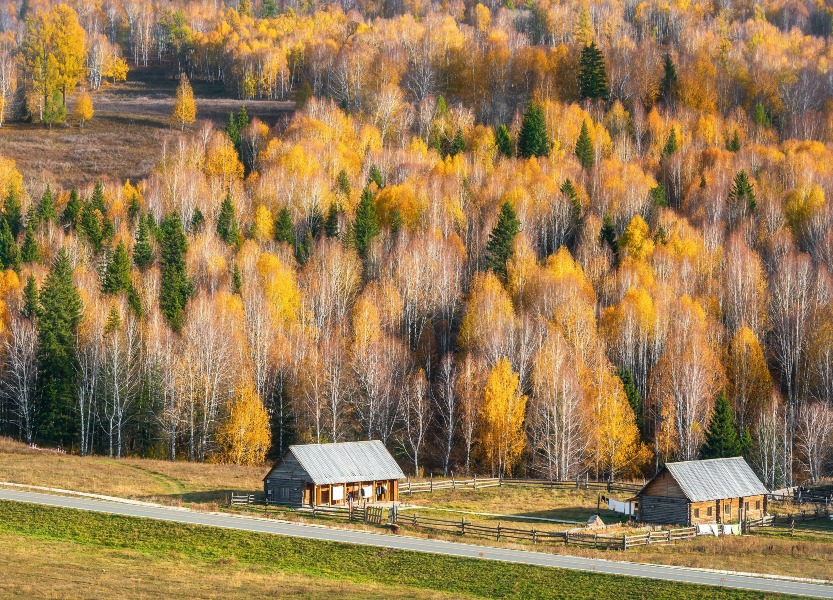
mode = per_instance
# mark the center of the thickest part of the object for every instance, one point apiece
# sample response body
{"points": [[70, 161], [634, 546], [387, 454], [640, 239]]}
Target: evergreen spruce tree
{"points": [[584, 147], [742, 194], [60, 313], [331, 222], [671, 145], [114, 321], [268, 9], [31, 301], [366, 225], [733, 143], [375, 176], [760, 117], [746, 442], [304, 249], [503, 141], [343, 184], [236, 280], [569, 190], [396, 223], [283, 228], [97, 200], [90, 226], [658, 197], [632, 394], [722, 435], [117, 274], [13, 213], [607, 235], [592, 74], [175, 287], [72, 209], [227, 223], [197, 220], [499, 245], [457, 145], [29, 251], [533, 139], [134, 301], [46, 207], [9, 252], [142, 250], [231, 129], [134, 209], [668, 85]]}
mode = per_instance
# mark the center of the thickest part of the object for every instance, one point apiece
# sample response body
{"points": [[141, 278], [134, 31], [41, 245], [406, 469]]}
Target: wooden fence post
{"points": [[624, 541], [431, 480], [409, 486], [534, 536], [669, 536], [475, 481], [463, 526], [453, 484], [498, 531]]}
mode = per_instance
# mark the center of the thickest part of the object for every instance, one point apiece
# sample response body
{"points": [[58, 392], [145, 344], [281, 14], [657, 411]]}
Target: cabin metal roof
{"points": [[715, 479], [346, 462]]}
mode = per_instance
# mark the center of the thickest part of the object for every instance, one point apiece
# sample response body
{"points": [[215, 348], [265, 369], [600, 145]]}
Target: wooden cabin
{"points": [[330, 474], [720, 490]]}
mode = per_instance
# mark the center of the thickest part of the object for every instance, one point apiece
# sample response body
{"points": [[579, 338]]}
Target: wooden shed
{"points": [[720, 490], [330, 474]]}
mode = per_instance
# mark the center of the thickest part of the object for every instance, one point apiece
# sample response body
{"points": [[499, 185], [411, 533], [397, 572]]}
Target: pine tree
{"points": [[671, 145], [742, 194], [142, 250], [227, 223], [569, 190], [117, 274], [658, 196], [9, 252], [236, 280], [231, 129], [331, 222], [55, 111], [134, 209], [242, 121], [46, 207], [114, 321], [722, 435], [592, 74], [31, 301], [633, 395], [197, 220], [668, 85], [458, 144], [533, 139], [58, 318], [760, 116], [343, 184], [97, 200], [503, 141], [29, 251], [584, 147], [13, 213], [268, 9], [73, 208], [733, 143], [175, 287], [366, 225], [607, 235], [375, 176], [283, 228], [90, 226], [499, 245]]}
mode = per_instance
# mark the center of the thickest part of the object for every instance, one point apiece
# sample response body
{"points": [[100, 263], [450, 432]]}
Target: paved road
{"points": [[678, 574]]}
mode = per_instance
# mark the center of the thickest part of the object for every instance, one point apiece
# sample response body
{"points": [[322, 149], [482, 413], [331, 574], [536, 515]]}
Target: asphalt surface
{"points": [[313, 532]]}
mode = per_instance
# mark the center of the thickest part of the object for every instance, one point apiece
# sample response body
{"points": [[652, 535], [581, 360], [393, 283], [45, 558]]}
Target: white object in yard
{"points": [[704, 529], [715, 529], [727, 530], [626, 508], [338, 492], [367, 491]]}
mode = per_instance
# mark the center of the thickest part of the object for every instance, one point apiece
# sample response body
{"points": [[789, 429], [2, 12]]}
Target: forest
{"points": [[552, 238]]}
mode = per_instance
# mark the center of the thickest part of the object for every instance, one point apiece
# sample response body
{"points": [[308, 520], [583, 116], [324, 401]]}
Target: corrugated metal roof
{"points": [[716, 478], [345, 462]]}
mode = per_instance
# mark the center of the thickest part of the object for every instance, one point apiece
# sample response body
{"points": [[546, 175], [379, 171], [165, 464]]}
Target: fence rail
{"points": [[475, 483], [788, 519], [594, 540]]}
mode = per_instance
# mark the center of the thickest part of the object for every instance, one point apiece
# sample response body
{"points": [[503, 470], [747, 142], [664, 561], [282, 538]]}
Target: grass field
{"points": [[239, 558], [125, 137]]}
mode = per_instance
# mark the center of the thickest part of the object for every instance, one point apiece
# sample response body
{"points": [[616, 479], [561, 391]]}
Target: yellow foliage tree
{"points": [[83, 110], [185, 107], [244, 437], [750, 383], [502, 417]]}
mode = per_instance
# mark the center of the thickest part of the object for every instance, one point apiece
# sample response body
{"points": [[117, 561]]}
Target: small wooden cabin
{"points": [[720, 490], [330, 474]]}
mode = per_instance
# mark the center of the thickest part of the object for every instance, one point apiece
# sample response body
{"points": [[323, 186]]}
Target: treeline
{"points": [[617, 269]]}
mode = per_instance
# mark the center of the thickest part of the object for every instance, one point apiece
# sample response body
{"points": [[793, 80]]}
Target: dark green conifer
{"points": [[503, 141], [458, 144], [658, 196], [668, 86], [142, 250], [284, 231], [197, 220], [97, 199], [760, 116], [375, 176], [236, 280], [227, 223], [671, 145], [366, 225], [13, 213], [742, 195], [533, 139], [592, 74], [31, 301], [175, 286], [607, 235], [733, 143], [46, 207], [117, 274], [72, 209], [584, 147], [331, 222], [722, 435], [29, 251], [632, 394], [343, 183], [9, 252], [90, 226], [499, 245]]}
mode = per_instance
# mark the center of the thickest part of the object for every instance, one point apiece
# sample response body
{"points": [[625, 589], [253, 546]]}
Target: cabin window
{"points": [[757, 505], [727, 509], [696, 513], [709, 511]]}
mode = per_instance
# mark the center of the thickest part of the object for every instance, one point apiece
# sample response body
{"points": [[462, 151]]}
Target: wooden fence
{"points": [[475, 483], [241, 499], [536, 536], [368, 514], [788, 519]]}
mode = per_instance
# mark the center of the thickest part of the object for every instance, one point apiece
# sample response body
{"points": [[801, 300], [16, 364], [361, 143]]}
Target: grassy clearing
{"points": [[262, 553], [179, 483]]}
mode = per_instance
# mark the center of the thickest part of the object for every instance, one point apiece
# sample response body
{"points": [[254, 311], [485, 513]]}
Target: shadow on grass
{"points": [[206, 497], [576, 514]]}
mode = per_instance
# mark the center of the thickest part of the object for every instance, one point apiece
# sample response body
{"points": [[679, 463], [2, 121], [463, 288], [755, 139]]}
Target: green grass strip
{"points": [[484, 578]]}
